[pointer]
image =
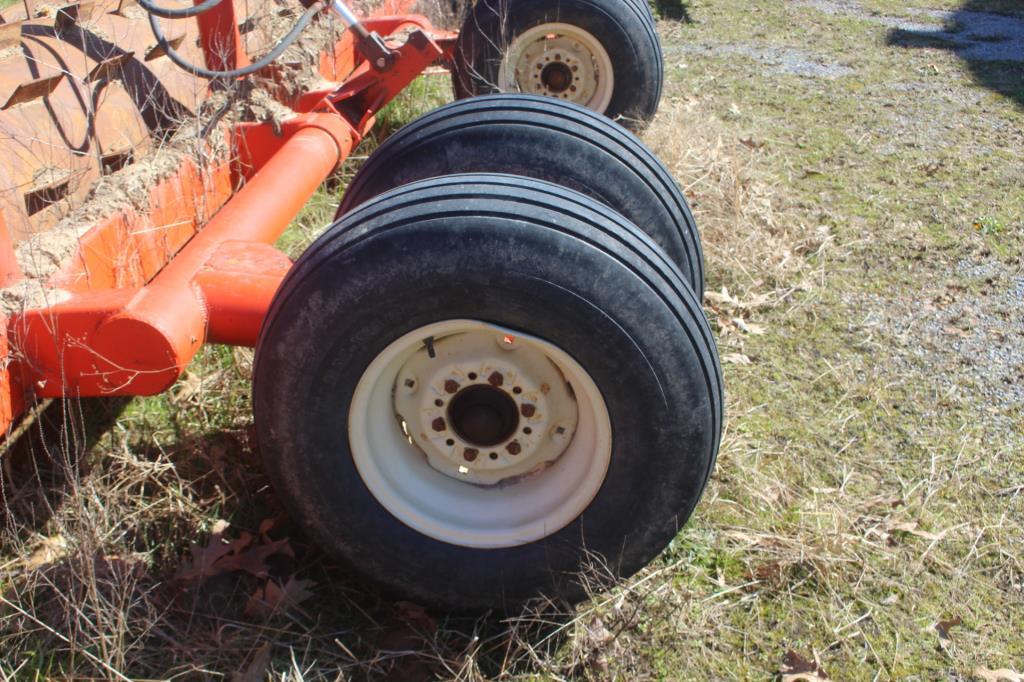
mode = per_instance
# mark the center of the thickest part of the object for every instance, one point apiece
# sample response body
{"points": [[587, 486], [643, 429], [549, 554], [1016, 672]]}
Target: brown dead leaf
{"points": [[944, 626], [49, 551], [205, 557], [220, 555], [748, 327], [269, 524], [272, 598], [913, 528], [188, 386], [736, 359], [254, 560], [1001, 675], [796, 668], [770, 573], [257, 669], [884, 501], [723, 298]]}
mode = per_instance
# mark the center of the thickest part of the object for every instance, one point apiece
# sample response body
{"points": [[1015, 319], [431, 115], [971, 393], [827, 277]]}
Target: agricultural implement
{"points": [[490, 372]]}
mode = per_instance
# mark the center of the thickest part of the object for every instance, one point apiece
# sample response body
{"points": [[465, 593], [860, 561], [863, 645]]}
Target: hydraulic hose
{"points": [[266, 60], [177, 13]]}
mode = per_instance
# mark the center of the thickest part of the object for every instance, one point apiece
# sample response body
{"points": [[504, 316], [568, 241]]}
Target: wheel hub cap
{"points": [[484, 408], [559, 60]]}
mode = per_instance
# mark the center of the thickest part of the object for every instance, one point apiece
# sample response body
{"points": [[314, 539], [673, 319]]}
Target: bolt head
{"points": [[507, 342], [560, 434]]}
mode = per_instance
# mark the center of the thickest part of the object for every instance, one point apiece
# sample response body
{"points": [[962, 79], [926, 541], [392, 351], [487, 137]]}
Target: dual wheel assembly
{"points": [[492, 373]]}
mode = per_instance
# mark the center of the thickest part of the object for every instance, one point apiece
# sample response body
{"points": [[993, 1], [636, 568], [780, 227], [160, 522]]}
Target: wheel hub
{"points": [[557, 77], [485, 408], [560, 60]]}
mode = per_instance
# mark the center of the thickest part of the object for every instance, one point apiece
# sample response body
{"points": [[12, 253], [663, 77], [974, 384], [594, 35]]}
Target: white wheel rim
{"points": [[559, 60], [487, 503]]}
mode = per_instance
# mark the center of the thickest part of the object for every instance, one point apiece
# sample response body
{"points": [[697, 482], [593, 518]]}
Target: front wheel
{"points": [[470, 388], [601, 54]]}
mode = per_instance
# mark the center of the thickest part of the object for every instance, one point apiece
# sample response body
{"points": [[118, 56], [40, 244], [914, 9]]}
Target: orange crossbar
{"points": [[114, 335], [137, 341]]}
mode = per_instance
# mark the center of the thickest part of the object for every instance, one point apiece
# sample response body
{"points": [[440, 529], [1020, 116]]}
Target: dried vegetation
{"points": [[860, 524]]}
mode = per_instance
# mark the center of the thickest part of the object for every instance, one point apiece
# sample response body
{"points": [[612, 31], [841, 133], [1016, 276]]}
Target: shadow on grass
{"points": [[190, 583], [991, 45], [676, 10]]}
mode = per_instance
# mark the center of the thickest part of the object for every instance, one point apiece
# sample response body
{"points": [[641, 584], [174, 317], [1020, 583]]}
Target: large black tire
{"points": [[528, 256], [546, 139], [620, 30]]}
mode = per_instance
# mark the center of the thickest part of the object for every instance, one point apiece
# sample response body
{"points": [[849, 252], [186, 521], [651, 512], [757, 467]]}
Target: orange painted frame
{"points": [[136, 302]]}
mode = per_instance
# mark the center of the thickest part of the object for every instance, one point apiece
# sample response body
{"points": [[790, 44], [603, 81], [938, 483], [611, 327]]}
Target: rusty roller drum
{"points": [[84, 92]]}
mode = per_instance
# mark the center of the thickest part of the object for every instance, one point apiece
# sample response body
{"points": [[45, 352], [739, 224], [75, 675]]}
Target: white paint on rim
{"points": [[552, 44], [510, 514]]}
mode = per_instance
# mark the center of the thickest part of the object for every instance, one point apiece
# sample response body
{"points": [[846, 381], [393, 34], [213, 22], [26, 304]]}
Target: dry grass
{"points": [[862, 516], [90, 588]]}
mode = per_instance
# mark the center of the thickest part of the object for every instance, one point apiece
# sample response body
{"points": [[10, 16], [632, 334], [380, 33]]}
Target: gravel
{"points": [[974, 36], [780, 60]]}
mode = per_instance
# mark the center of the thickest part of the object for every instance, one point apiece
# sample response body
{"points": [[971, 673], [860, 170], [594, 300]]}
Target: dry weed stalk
{"points": [[751, 239]]}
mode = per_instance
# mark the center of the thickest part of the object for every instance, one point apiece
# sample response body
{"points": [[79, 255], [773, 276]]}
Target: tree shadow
{"points": [[676, 10], [989, 43]]}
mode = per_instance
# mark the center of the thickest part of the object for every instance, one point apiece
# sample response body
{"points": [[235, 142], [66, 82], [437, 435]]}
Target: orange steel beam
{"points": [[104, 331], [137, 341], [220, 38], [238, 284]]}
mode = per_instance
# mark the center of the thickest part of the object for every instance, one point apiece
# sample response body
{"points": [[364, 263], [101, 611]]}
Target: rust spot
{"points": [[528, 410], [439, 424], [496, 379], [514, 448], [451, 386], [471, 454]]}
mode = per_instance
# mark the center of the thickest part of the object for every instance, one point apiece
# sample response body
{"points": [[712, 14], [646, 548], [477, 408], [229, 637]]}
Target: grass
{"points": [[867, 512]]}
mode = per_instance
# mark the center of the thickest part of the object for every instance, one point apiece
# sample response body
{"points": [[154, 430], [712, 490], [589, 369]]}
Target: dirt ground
{"points": [[857, 169]]}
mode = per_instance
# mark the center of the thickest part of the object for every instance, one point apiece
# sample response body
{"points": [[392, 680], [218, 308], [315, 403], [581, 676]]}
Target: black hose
{"points": [[177, 13], [263, 62]]}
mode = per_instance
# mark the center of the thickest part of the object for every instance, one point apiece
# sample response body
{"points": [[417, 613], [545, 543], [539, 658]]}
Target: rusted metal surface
{"points": [[84, 92], [88, 91]]}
